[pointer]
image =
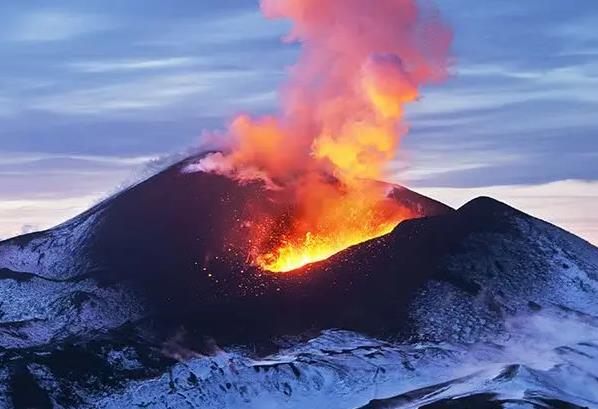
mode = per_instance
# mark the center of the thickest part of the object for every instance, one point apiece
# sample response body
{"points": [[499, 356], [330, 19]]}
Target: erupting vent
{"points": [[335, 221], [340, 123]]}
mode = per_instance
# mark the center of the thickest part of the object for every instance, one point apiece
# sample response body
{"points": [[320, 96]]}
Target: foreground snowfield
{"points": [[549, 357], [544, 360]]}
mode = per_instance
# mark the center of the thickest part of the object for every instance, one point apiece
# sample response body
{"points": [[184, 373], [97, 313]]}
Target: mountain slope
{"points": [[137, 302], [161, 245]]}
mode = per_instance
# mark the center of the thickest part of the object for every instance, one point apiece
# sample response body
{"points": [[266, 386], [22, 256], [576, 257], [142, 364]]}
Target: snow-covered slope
{"points": [[553, 359], [508, 263], [50, 290], [549, 360]]}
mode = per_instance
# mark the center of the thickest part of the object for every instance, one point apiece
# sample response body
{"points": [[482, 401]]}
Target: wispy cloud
{"points": [[485, 86], [132, 64], [579, 30], [27, 215], [247, 25], [46, 176], [240, 27], [499, 70], [430, 164], [30, 160], [141, 94], [6, 106], [49, 26]]}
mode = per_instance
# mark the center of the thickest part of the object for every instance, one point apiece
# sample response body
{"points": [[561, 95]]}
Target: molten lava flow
{"points": [[330, 218], [340, 124]]}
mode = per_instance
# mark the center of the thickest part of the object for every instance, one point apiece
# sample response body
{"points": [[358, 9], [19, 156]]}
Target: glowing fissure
{"points": [[299, 251], [351, 215], [340, 124]]}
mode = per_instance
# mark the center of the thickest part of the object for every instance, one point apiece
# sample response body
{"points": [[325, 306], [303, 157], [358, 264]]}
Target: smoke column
{"points": [[340, 123]]}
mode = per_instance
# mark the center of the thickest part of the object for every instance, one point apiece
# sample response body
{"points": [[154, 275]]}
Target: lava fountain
{"points": [[339, 126]]}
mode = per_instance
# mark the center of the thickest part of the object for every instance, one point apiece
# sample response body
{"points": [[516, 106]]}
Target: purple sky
{"points": [[91, 91]]}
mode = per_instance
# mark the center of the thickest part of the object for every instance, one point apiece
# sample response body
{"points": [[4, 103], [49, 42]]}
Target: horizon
{"points": [[94, 95]]}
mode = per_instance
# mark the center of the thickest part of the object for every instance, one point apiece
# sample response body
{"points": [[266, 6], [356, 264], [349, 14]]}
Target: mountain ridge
{"points": [[110, 307]]}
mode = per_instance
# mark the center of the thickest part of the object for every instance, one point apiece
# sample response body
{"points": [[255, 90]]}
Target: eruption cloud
{"points": [[339, 126]]}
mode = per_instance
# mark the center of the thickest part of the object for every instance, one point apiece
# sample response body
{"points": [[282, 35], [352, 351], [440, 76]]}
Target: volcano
{"points": [[172, 239], [147, 298]]}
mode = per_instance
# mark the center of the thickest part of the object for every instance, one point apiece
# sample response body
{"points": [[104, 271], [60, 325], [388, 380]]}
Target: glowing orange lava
{"points": [[340, 124], [340, 219], [298, 251]]}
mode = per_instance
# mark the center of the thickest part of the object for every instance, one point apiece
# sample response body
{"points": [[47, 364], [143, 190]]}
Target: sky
{"points": [[96, 94]]}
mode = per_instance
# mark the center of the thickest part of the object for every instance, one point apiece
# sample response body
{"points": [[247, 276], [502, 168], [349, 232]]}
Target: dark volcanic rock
{"points": [[175, 243]]}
